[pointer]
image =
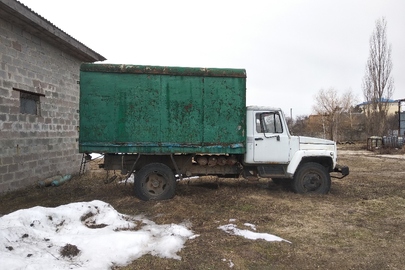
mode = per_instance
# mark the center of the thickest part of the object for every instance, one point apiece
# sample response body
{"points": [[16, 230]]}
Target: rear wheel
{"points": [[155, 181], [311, 177]]}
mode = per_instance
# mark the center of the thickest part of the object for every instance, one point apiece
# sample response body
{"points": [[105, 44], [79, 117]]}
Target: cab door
{"points": [[271, 139]]}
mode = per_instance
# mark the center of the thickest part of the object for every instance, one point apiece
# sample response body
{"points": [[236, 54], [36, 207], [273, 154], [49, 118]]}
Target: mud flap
{"points": [[343, 170]]}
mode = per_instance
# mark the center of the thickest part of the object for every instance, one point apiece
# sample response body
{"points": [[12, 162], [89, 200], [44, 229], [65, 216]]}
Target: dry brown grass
{"points": [[359, 225]]}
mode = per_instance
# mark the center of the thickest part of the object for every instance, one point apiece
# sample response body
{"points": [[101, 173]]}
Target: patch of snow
{"points": [[230, 263], [103, 237], [252, 226], [233, 230], [96, 155], [131, 179], [369, 154], [34, 237]]}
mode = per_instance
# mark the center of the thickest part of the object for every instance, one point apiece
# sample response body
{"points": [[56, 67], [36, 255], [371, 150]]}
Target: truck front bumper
{"points": [[343, 170]]}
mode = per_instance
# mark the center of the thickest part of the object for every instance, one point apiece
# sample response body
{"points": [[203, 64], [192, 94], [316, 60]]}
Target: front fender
{"points": [[312, 154]]}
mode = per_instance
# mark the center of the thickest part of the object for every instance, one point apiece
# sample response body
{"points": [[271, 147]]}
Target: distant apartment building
{"points": [[392, 106]]}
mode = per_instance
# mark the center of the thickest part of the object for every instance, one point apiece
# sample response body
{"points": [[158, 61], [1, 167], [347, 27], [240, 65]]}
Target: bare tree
{"points": [[378, 84], [331, 106], [299, 126]]}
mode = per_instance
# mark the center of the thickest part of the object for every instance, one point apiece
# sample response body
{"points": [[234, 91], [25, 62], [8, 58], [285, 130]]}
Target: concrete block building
{"points": [[39, 97]]}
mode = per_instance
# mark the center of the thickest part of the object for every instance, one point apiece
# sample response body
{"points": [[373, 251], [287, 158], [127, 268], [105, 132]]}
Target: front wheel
{"points": [[155, 181], [311, 178]]}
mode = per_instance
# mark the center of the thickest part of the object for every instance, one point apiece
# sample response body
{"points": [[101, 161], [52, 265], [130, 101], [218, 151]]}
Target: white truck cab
{"points": [[279, 155]]}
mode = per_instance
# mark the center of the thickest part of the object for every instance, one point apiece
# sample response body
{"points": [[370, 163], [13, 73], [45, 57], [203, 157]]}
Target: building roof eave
{"points": [[31, 22]]}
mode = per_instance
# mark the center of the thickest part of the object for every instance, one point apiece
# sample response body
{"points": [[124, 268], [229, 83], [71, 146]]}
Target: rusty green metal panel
{"points": [[146, 109]]}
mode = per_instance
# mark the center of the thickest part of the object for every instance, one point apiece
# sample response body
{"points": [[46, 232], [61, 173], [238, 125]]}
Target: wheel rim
{"points": [[155, 184], [312, 181]]}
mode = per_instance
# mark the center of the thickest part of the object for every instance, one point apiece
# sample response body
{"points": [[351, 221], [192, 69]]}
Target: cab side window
{"points": [[269, 122]]}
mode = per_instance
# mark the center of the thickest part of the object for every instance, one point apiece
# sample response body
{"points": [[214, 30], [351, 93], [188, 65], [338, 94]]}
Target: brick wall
{"points": [[34, 147]]}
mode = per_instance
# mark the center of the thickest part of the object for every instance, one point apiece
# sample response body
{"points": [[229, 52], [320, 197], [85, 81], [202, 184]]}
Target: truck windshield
{"points": [[269, 122]]}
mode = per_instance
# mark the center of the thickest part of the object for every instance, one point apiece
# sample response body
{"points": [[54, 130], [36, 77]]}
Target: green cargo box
{"points": [[150, 109]]}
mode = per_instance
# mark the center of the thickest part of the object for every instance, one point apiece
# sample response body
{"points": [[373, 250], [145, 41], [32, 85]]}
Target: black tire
{"points": [[155, 181], [311, 177]]}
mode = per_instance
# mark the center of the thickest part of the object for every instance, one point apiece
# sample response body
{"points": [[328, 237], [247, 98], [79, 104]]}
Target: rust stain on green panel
{"points": [[160, 70], [144, 109]]}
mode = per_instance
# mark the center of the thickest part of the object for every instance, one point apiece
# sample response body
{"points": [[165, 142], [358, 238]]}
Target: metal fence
{"points": [[393, 141]]}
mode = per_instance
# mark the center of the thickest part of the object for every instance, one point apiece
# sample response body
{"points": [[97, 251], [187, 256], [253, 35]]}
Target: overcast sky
{"points": [[290, 49]]}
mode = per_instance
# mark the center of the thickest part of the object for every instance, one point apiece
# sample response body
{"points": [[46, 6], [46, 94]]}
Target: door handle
{"points": [[258, 139]]}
